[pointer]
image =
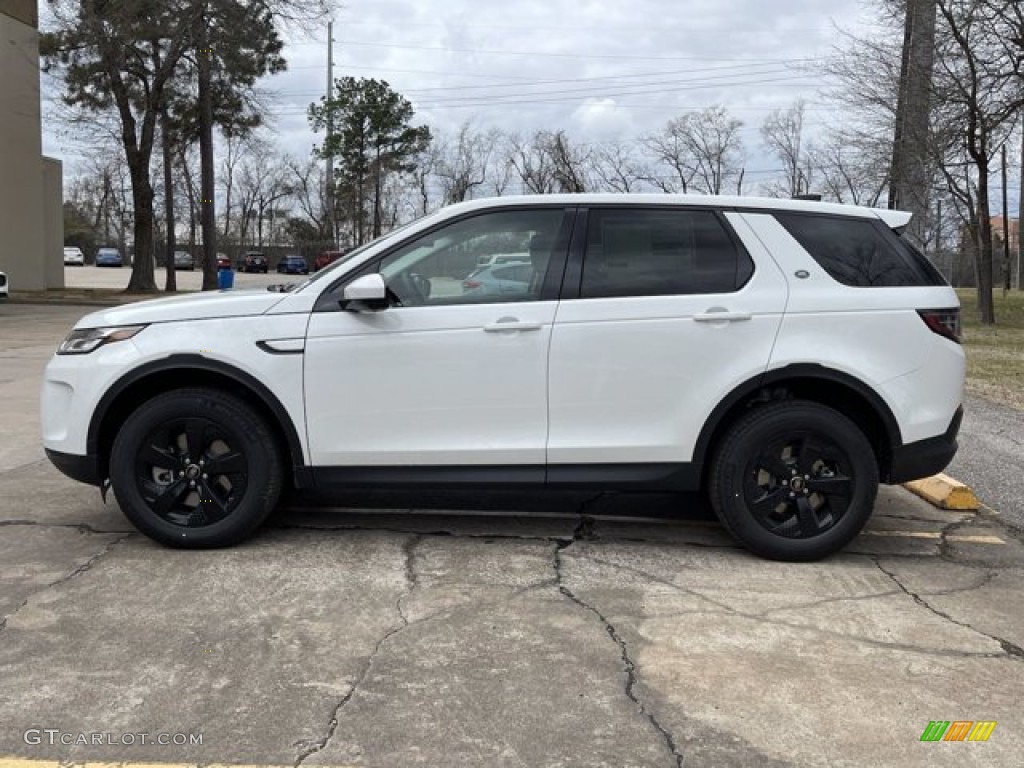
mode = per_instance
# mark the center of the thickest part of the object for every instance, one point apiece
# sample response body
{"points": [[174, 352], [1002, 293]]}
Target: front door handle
{"points": [[722, 316], [507, 324]]}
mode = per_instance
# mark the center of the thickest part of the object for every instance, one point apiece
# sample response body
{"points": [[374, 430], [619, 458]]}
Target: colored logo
{"points": [[958, 730]]}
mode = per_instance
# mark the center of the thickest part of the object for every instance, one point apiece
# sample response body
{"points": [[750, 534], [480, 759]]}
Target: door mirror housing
{"points": [[365, 294]]}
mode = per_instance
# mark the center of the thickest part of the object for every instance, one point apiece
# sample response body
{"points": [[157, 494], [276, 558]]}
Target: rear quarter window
{"points": [[862, 253]]}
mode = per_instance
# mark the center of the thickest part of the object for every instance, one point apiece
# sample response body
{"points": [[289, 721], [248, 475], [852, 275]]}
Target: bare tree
{"points": [[463, 163], [702, 149], [569, 161], [853, 166], [979, 91], [306, 182], [783, 135], [670, 148], [715, 144], [531, 164], [618, 168]]}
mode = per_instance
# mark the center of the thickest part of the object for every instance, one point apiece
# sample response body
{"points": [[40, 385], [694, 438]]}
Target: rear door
{"points": [[665, 311]]}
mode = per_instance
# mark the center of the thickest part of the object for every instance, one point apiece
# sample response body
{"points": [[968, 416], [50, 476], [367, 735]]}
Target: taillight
{"points": [[945, 322], [468, 285]]}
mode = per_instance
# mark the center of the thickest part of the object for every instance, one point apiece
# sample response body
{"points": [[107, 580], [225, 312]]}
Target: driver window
{"points": [[494, 257]]}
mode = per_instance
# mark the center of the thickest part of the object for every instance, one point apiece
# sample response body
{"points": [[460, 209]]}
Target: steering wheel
{"points": [[406, 290]]}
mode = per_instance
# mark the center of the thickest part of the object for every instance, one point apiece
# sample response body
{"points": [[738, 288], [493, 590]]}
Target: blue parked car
{"points": [[108, 257], [293, 265]]}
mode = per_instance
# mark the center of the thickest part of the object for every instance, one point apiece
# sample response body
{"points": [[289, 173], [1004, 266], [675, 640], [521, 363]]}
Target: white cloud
{"points": [[596, 68]]}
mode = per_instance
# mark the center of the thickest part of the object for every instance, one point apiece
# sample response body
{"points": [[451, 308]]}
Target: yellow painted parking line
{"points": [[975, 539], [934, 535], [20, 762], [945, 492]]}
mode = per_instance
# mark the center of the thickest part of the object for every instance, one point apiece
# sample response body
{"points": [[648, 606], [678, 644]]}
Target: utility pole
{"points": [[207, 211], [1006, 228], [329, 177], [1020, 220]]}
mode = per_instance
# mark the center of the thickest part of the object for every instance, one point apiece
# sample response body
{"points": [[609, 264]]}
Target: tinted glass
{"points": [[857, 252], [658, 253], [433, 269]]}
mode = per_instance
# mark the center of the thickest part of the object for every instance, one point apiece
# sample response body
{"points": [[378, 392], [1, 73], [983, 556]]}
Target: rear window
{"points": [[638, 252], [861, 253]]}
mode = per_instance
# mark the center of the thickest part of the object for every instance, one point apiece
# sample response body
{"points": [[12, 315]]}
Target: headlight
{"points": [[85, 340]]}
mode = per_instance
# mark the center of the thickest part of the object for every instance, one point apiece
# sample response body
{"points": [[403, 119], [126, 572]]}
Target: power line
{"points": [[602, 91], [448, 49], [595, 90], [389, 24]]}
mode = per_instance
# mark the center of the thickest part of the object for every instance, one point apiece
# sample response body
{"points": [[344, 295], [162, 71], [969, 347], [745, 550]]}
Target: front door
{"points": [[454, 372]]}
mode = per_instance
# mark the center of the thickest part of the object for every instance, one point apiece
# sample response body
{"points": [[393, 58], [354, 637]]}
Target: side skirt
{"points": [[607, 477]]}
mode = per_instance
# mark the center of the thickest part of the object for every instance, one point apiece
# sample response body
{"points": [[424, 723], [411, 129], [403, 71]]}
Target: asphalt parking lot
{"points": [[186, 280], [603, 631]]}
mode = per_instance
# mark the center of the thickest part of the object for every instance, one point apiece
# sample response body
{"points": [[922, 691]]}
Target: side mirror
{"points": [[365, 294]]}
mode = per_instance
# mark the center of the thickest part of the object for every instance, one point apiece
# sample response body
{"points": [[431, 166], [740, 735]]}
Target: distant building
{"points": [[31, 215], [997, 233]]}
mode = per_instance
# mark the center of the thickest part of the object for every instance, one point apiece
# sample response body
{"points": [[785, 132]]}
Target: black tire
{"points": [[220, 508], [794, 481]]}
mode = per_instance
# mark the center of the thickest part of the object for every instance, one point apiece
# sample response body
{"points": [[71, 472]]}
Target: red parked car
{"points": [[325, 258]]}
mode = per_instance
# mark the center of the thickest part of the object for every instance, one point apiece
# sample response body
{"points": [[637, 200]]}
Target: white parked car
{"points": [[783, 356], [4, 288], [73, 256]]}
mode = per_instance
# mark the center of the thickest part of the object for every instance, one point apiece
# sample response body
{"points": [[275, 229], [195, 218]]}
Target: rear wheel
{"points": [[794, 481], [196, 468]]}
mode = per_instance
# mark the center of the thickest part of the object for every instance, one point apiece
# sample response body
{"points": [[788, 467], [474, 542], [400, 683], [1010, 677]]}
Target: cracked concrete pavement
{"points": [[634, 634]]}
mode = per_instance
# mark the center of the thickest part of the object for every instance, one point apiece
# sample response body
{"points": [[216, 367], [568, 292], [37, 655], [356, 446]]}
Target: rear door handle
{"points": [[507, 324], [722, 316]]}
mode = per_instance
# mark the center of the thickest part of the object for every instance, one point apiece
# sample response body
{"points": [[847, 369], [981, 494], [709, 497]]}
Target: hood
{"points": [[195, 306]]}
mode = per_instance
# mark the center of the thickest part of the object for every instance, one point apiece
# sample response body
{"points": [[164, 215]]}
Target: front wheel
{"points": [[794, 481], [196, 468]]}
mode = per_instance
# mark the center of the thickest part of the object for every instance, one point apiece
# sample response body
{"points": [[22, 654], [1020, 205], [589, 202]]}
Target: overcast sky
{"points": [[600, 70]]}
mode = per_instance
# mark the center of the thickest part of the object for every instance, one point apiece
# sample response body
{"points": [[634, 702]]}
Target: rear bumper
{"points": [[84, 469], [925, 457]]}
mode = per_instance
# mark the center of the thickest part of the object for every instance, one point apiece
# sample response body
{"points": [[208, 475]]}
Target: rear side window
{"points": [[660, 253], [859, 252]]}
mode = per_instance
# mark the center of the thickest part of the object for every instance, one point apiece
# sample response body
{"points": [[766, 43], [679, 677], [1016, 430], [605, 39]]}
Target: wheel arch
{"points": [[816, 383], [185, 370]]}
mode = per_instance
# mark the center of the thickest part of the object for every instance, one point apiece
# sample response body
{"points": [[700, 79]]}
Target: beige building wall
{"points": [[24, 255], [53, 222]]}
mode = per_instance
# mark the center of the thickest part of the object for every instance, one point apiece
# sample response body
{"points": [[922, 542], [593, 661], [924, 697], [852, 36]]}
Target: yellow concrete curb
{"points": [[945, 492]]}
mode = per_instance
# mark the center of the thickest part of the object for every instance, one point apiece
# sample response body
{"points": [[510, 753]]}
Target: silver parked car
{"points": [[499, 280], [184, 260]]}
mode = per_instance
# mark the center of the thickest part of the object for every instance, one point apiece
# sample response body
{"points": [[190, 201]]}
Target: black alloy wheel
{"points": [[794, 480], [800, 486], [196, 468], [188, 472]]}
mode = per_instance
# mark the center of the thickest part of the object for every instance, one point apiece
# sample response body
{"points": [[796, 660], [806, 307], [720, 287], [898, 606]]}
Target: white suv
{"points": [[783, 356]]}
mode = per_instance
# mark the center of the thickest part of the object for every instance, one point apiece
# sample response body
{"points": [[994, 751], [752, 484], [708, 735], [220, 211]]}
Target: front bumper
{"points": [[925, 458], [84, 469]]}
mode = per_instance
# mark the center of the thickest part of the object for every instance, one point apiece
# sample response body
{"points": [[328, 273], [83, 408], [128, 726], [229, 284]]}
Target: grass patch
{"points": [[995, 353]]}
